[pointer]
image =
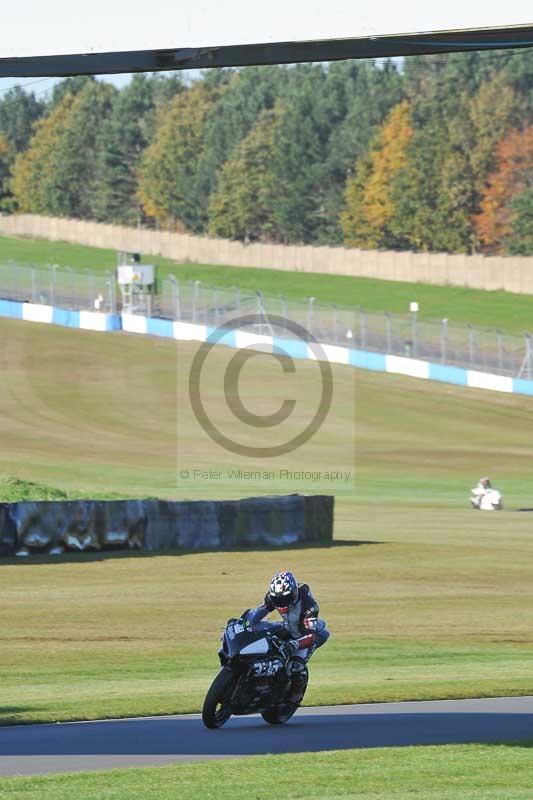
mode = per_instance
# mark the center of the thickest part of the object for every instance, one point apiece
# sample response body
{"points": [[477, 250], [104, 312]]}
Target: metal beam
{"points": [[273, 53]]}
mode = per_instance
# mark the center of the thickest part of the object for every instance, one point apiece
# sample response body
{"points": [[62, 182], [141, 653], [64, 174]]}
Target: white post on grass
{"points": [[413, 308]]}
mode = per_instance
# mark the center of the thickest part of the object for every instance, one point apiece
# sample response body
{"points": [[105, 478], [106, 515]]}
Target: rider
{"points": [[299, 611], [479, 491]]}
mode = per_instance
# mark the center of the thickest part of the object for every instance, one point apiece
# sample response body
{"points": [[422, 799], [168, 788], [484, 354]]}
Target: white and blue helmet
{"points": [[283, 590]]}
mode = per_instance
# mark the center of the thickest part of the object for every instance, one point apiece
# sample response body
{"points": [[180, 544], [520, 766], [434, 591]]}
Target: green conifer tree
{"points": [[243, 206], [520, 240], [32, 171], [124, 137], [169, 185]]}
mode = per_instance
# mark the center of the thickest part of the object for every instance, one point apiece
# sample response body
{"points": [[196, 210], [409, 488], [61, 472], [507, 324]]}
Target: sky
{"points": [[40, 28], [42, 86], [37, 28]]}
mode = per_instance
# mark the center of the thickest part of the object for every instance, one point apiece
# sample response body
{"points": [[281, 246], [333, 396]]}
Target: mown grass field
{"points": [[476, 772], [424, 597], [502, 310]]}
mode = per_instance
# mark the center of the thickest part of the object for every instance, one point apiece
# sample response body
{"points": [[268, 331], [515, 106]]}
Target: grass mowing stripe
{"points": [[449, 772], [496, 309]]}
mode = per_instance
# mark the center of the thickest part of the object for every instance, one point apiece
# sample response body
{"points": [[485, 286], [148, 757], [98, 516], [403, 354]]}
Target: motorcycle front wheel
{"points": [[216, 710]]}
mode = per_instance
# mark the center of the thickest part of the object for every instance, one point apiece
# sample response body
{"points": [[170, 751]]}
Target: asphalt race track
{"points": [[74, 746]]}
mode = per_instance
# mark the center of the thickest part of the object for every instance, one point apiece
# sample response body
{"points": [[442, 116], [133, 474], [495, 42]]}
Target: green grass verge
{"points": [[503, 310], [15, 490], [452, 772], [40, 252], [424, 597]]}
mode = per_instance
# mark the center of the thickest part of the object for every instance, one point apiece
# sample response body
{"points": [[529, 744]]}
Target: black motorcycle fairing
{"points": [[240, 634], [261, 679]]}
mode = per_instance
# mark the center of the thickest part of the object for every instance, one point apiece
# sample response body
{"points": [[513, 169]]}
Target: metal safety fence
{"points": [[439, 341], [59, 286]]}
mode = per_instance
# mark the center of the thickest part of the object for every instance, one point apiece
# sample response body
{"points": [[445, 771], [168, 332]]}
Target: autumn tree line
{"points": [[433, 154]]}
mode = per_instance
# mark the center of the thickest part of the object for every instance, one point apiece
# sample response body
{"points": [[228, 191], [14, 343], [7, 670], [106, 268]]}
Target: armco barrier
{"points": [[158, 525], [185, 331]]}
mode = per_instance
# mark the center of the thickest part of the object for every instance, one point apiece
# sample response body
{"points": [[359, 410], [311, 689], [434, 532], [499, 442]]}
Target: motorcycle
{"points": [[491, 500], [253, 676]]}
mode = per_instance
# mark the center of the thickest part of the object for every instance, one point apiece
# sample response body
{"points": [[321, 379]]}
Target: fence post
{"points": [[414, 316], [13, 273], [500, 350], [33, 286], [52, 284], [470, 344], [310, 313], [443, 340], [336, 323], [362, 327], [195, 290], [71, 286], [73, 293], [284, 310], [175, 296], [215, 307], [238, 302], [526, 368], [262, 313], [112, 291], [91, 288], [389, 331]]}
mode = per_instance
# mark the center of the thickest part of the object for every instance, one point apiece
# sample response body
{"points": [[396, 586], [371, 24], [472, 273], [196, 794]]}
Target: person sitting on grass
{"points": [[479, 491]]}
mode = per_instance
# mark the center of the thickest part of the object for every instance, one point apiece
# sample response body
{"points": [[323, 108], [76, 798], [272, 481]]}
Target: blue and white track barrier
{"points": [[185, 331], [35, 312]]}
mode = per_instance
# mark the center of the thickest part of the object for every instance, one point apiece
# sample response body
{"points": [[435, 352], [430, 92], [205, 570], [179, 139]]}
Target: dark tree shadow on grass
{"points": [[104, 555]]}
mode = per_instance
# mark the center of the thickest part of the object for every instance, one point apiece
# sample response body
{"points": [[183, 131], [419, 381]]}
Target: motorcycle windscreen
{"points": [[238, 636], [259, 647]]}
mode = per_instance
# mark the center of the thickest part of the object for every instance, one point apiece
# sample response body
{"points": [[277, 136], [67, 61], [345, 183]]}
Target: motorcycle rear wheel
{"points": [[216, 712], [280, 714]]}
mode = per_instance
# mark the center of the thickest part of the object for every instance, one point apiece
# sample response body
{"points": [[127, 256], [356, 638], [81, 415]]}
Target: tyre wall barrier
{"points": [[335, 354], [158, 525]]}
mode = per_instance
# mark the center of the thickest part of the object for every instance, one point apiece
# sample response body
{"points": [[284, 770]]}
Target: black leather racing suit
{"points": [[301, 622]]}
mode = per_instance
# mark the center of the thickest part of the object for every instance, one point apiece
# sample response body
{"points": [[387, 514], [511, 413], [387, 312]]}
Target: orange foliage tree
{"points": [[513, 175], [369, 194]]}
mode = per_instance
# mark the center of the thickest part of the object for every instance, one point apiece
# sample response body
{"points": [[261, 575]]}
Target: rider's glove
{"points": [[289, 648]]}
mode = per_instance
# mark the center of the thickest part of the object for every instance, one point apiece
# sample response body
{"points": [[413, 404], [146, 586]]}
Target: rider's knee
{"points": [[322, 634], [296, 665]]}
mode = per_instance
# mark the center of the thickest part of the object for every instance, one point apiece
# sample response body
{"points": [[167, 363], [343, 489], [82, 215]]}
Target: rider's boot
{"points": [[298, 672]]}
